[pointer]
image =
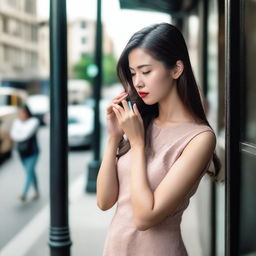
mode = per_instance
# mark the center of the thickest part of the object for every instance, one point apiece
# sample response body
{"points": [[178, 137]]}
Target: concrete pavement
{"points": [[88, 227]]}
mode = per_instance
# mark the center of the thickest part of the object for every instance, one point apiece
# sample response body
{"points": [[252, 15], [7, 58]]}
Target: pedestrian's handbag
{"points": [[26, 147]]}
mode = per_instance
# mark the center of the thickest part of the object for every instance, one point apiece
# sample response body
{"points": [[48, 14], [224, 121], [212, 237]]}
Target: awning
{"points": [[172, 7]]}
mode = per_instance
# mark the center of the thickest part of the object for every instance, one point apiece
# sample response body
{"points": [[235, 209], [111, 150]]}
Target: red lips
{"points": [[143, 94]]}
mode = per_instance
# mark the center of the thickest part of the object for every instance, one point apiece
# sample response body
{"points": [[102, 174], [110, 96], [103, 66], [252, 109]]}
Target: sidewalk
{"points": [[88, 227]]}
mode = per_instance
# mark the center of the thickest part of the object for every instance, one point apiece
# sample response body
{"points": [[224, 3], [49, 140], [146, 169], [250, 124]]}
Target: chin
{"points": [[149, 102]]}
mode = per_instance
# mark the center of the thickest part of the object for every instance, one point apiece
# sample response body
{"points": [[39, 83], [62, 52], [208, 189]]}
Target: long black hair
{"points": [[27, 110], [165, 43]]}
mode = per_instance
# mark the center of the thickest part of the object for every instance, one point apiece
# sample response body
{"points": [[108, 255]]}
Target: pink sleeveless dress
{"points": [[164, 239]]}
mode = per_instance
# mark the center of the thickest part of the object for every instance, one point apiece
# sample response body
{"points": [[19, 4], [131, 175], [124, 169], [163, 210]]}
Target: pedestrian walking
{"points": [[24, 133], [159, 146]]}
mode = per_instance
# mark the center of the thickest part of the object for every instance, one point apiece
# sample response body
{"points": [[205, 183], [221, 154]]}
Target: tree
{"points": [[79, 69], [109, 68]]}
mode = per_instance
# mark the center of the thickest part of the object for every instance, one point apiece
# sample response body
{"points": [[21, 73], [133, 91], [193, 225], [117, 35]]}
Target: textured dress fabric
{"points": [[164, 239]]}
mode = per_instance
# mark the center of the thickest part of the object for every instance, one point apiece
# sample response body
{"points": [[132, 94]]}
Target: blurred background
{"points": [[25, 78]]}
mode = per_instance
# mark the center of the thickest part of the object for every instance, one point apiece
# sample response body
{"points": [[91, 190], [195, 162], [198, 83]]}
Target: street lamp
{"points": [[94, 165]]}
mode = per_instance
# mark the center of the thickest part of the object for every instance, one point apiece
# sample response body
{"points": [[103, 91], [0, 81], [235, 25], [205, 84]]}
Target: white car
{"points": [[10, 100], [39, 106], [80, 125]]}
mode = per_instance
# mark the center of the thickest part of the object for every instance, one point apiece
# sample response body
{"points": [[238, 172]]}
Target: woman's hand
{"points": [[131, 123], [112, 123]]}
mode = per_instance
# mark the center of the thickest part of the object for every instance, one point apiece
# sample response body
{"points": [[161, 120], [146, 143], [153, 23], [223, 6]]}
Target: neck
{"points": [[172, 110]]}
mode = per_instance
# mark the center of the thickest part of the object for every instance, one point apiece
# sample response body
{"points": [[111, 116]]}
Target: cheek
{"points": [[161, 83]]}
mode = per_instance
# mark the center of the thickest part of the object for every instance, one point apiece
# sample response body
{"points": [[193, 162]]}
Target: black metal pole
{"points": [[59, 239], [94, 165], [233, 126]]}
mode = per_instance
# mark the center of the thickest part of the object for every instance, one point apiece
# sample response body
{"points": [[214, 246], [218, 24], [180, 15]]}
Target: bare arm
{"points": [[107, 182], [150, 208]]}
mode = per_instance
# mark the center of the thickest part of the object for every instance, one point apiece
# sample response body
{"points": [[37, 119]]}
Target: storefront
{"points": [[222, 35]]}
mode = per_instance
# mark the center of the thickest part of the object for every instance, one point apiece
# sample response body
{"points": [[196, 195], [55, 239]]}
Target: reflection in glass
{"points": [[250, 74], [248, 205]]}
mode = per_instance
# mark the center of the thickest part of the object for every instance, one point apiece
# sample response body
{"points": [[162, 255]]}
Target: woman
{"points": [[24, 132], [156, 152]]}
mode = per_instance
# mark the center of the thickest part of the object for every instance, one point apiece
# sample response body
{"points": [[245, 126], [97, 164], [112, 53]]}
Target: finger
{"points": [[118, 100], [109, 109], [118, 115], [122, 94], [119, 108], [136, 111], [125, 105]]}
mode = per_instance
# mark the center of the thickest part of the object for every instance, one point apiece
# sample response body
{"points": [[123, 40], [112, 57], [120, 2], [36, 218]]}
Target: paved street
{"points": [[15, 214]]}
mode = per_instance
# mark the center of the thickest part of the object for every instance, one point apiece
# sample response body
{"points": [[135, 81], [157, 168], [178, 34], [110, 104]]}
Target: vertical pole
{"points": [[94, 165], [205, 82], [233, 129], [59, 239]]}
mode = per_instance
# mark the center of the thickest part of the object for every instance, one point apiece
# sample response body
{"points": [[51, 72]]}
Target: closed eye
{"points": [[147, 72]]}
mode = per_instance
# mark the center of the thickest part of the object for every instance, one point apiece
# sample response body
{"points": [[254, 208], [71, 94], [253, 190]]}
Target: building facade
{"points": [[18, 39], [81, 40]]}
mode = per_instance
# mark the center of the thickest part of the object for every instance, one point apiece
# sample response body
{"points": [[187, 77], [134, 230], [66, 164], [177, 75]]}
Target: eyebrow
{"points": [[141, 66]]}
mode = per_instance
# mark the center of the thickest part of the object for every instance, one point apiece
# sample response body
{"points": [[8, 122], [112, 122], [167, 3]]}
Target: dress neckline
{"points": [[173, 125]]}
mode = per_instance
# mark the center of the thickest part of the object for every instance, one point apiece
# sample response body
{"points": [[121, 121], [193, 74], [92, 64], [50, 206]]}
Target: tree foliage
{"points": [[109, 68]]}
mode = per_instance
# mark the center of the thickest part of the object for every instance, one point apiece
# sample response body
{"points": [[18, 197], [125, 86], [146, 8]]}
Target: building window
{"points": [[6, 53], [29, 7], [34, 33], [83, 40], [5, 24], [27, 32], [34, 59], [83, 24], [12, 3]]}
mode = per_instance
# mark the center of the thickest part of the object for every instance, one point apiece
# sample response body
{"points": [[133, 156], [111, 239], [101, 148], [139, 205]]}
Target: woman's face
{"points": [[152, 80], [23, 115]]}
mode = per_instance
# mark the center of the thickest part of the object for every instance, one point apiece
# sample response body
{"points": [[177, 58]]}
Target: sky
{"points": [[120, 24]]}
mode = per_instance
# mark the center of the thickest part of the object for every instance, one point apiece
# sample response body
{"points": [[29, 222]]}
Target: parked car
{"points": [[10, 100], [78, 91], [39, 106], [80, 125], [90, 102]]}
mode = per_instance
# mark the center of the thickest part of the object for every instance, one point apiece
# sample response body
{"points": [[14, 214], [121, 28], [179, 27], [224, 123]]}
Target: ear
{"points": [[177, 70]]}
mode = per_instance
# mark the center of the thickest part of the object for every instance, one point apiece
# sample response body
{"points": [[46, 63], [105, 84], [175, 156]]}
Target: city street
{"points": [[16, 214]]}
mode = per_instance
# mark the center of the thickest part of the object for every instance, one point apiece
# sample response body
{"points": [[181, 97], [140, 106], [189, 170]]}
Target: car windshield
{"points": [[73, 120], [4, 100]]}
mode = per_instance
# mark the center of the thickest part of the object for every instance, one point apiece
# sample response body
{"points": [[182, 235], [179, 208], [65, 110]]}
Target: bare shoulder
{"points": [[204, 142]]}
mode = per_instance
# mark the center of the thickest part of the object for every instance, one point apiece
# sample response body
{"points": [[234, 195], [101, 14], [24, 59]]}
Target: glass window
{"points": [[34, 33], [248, 205], [83, 40], [3, 100], [29, 6], [34, 59], [83, 24], [6, 53], [5, 24], [249, 70]]}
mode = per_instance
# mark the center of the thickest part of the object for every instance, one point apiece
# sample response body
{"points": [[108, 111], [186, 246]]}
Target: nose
{"points": [[138, 83]]}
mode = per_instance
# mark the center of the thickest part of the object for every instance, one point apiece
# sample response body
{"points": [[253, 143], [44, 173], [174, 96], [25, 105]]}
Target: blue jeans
{"points": [[29, 164]]}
